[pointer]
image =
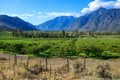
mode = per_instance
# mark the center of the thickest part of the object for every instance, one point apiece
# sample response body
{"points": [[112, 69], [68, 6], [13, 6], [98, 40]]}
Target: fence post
{"points": [[68, 63], [27, 62], [46, 62], [84, 67], [15, 59], [50, 72]]}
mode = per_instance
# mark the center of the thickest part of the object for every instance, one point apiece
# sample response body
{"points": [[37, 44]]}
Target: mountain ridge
{"points": [[9, 23], [59, 23], [100, 20]]}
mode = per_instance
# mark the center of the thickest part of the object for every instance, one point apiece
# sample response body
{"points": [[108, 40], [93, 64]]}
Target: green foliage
{"points": [[92, 51], [18, 48], [5, 35], [91, 47], [115, 48], [63, 33]]}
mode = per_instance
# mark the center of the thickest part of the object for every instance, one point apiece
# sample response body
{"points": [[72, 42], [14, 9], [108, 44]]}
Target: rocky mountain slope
{"points": [[99, 20]]}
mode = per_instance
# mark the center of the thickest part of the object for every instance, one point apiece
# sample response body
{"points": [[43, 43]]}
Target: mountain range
{"points": [[9, 23], [100, 20]]}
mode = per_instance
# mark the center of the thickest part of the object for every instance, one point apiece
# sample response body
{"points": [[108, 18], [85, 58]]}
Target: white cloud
{"points": [[117, 5], [39, 13], [21, 15], [55, 14], [94, 5]]}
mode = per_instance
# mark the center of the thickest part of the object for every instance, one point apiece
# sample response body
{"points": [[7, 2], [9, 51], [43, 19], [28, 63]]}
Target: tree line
{"points": [[58, 34]]}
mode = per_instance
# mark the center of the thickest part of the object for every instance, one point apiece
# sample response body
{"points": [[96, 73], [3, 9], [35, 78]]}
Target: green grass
{"points": [[6, 35]]}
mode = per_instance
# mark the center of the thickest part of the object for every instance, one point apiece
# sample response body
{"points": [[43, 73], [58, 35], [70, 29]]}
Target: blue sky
{"points": [[39, 11]]}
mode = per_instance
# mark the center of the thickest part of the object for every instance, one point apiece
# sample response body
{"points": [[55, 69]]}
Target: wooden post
{"points": [[27, 66], [9, 66], [15, 59], [84, 67], [84, 62], [50, 72], [27, 62], [15, 65], [40, 64], [46, 62], [68, 63], [9, 60]]}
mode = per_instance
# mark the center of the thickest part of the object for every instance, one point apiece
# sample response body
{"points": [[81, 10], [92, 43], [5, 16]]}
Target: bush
{"points": [[63, 69], [109, 55], [102, 70], [114, 49], [18, 48], [40, 50], [55, 51], [77, 67], [69, 51], [92, 51]]}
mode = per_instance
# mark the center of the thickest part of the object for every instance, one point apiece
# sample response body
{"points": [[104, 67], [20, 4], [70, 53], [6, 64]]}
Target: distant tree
{"points": [[15, 32], [63, 33], [20, 32], [76, 33]]}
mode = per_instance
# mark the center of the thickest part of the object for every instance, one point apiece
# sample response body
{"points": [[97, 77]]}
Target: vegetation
{"points": [[60, 47], [34, 68], [103, 70], [60, 34], [70, 46]]}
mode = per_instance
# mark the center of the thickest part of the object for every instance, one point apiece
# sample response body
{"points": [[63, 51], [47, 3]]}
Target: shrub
{"points": [[18, 48], [92, 51], [5, 46], [69, 51], [39, 50], [63, 69], [54, 51], [77, 67], [102, 70], [114, 49]]}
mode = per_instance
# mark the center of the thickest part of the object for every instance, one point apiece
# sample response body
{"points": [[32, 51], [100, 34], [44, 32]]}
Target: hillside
{"points": [[57, 24], [8, 23], [99, 20]]}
